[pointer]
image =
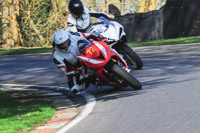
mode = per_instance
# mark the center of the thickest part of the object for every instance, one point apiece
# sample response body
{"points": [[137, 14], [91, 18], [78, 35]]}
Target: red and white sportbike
{"points": [[107, 66]]}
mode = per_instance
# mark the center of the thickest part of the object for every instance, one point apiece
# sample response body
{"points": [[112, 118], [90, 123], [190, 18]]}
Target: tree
{"points": [[149, 5], [37, 20], [11, 32]]}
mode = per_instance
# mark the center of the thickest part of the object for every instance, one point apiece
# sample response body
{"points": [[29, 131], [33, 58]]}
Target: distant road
{"points": [[168, 103]]}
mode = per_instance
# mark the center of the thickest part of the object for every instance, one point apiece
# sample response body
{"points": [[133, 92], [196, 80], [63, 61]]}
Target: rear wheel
{"points": [[128, 78], [132, 59]]}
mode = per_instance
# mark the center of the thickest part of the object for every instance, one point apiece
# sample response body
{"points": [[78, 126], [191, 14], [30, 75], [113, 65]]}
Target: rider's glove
{"points": [[83, 44], [82, 47], [99, 37]]}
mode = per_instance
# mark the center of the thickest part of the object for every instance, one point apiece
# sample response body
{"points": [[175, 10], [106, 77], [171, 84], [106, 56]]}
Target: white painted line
{"points": [[53, 94], [17, 89], [42, 86], [86, 111]]}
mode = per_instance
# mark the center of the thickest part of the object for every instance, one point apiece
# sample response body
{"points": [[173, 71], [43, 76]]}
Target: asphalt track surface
{"points": [[168, 102]]}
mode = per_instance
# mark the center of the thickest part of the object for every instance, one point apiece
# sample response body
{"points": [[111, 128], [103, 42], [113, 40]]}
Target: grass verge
{"points": [[25, 51], [185, 40], [150, 43], [16, 116]]}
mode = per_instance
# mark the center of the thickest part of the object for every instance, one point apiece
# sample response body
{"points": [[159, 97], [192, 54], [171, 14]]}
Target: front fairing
{"points": [[111, 33], [107, 29], [96, 56]]}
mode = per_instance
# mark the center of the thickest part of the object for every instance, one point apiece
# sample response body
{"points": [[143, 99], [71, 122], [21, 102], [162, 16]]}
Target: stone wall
{"points": [[142, 26], [178, 18], [181, 18]]}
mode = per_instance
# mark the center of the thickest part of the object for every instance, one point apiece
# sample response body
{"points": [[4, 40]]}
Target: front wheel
{"points": [[131, 57], [128, 78]]}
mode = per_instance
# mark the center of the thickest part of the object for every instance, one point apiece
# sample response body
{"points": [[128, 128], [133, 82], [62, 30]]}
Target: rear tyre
{"points": [[132, 81], [131, 57]]}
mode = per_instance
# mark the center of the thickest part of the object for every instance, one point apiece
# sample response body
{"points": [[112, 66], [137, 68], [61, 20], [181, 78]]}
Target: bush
{"points": [[38, 20]]}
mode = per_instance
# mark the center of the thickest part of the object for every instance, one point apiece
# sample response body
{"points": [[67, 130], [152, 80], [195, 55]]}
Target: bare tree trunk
{"points": [[11, 32], [152, 5], [148, 5], [142, 6], [8, 42], [104, 6], [14, 11]]}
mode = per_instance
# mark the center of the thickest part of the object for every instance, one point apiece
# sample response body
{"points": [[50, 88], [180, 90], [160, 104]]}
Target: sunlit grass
{"points": [[168, 42], [150, 43], [24, 51], [17, 116]]}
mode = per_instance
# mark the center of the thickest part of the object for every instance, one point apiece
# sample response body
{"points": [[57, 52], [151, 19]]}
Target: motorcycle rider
{"points": [[66, 48], [79, 18]]}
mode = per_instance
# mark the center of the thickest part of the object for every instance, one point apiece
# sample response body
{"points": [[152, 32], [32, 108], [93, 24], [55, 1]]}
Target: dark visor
{"points": [[64, 45]]}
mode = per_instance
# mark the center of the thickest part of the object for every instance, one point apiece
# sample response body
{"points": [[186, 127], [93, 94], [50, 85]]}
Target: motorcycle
{"points": [[116, 36], [107, 65]]}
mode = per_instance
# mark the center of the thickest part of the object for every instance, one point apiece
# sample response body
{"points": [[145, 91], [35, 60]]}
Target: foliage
{"points": [[38, 22], [16, 116]]}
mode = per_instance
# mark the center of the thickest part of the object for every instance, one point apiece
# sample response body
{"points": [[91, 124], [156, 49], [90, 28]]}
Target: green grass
{"points": [[25, 51], [16, 116], [168, 42], [150, 43]]}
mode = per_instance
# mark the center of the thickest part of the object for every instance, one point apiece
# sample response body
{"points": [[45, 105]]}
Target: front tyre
{"points": [[131, 57], [132, 81]]}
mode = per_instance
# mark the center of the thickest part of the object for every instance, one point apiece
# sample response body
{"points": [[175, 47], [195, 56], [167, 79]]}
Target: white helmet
{"points": [[61, 40]]}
